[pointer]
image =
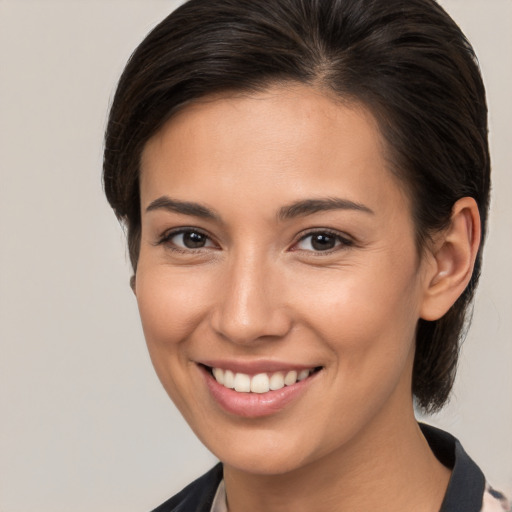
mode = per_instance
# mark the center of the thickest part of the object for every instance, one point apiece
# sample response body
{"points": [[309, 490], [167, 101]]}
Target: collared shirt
{"points": [[467, 490]]}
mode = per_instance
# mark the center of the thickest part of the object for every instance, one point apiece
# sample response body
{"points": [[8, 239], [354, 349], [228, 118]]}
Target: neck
{"points": [[384, 468]]}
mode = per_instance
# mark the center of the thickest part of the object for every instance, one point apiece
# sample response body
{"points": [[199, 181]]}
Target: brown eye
{"points": [[188, 239], [193, 240], [322, 241]]}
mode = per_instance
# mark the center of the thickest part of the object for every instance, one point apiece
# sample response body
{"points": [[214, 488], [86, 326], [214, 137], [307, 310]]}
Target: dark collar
{"points": [[467, 483], [197, 496], [464, 494]]}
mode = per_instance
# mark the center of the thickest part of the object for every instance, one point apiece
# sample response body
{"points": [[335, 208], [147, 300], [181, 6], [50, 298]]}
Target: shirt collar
{"points": [[467, 483], [465, 489]]}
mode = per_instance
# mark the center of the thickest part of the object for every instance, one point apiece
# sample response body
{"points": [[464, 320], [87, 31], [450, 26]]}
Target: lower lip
{"points": [[255, 405]]}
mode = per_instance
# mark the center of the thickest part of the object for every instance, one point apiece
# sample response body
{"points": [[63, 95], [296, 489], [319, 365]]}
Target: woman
{"points": [[305, 187]]}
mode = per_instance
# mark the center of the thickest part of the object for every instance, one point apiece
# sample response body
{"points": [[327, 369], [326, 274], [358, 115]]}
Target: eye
{"points": [[187, 239], [322, 241]]}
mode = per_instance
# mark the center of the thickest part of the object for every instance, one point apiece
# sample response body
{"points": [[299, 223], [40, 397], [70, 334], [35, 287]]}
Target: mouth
{"points": [[260, 383], [255, 389]]}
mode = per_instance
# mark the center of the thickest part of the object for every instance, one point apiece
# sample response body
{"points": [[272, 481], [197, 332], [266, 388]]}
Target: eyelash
{"points": [[342, 241], [166, 238]]}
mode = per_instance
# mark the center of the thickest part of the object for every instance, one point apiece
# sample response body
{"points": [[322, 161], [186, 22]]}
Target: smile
{"points": [[261, 382], [257, 389]]}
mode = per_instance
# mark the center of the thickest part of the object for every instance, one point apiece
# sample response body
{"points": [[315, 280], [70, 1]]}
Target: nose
{"points": [[251, 306]]}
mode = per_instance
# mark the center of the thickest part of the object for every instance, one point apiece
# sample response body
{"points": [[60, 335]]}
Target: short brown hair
{"points": [[406, 60]]}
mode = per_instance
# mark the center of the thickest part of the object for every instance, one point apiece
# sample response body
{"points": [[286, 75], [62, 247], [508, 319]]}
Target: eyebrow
{"points": [[311, 206], [298, 209], [183, 207]]}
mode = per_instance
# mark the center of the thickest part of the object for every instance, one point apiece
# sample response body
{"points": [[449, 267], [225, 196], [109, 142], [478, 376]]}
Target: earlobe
{"points": [[132, 284], [454, 253]]}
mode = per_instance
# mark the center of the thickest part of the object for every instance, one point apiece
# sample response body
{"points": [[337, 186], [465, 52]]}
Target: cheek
{"points": [[355, 302], [368, 327], [171, 304], [171, 308], [367, 317]]}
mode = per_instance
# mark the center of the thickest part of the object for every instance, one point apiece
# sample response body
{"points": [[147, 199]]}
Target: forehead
{"points": [[292, 110], [296, 139]]}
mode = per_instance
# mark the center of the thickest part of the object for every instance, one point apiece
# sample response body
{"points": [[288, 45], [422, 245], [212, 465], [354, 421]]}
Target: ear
{"points": [[132, 284], [453, 256]]}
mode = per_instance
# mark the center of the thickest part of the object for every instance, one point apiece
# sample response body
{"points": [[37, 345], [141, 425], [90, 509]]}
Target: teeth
{"points": [[276, 381], [229, 379], [260, 383], [218, 373], [242, 383], [304, 374], [291, 378]]}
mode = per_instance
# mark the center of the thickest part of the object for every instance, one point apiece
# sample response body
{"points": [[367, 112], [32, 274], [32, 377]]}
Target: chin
{"points": [[265, 451], [264, 464]]}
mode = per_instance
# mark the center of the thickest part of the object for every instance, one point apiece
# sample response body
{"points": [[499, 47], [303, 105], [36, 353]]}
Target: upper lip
{"points": [[255, 367]]}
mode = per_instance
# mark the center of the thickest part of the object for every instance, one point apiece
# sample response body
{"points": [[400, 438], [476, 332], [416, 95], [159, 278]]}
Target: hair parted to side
{"points": [[405, 60]]}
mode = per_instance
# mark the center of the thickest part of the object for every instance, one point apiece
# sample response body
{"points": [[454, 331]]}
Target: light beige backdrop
{"points": [[84, 424]]}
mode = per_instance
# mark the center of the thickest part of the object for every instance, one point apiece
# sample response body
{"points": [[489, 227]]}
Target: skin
{"points": [[258, 290]]}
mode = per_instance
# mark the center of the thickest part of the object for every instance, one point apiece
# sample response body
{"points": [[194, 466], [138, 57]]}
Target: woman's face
{"points": [[277, 246]]}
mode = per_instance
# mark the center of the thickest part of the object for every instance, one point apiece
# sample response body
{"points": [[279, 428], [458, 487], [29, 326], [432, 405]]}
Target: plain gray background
{"points": [[85, 425]]}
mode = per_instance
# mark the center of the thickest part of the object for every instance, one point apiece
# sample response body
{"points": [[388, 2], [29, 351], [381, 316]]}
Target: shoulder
{"points": [[197, 496]]}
